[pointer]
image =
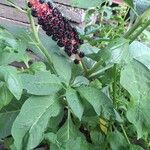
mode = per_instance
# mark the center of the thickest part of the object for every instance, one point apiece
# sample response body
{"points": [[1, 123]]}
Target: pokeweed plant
{"points": [[100, 101]]}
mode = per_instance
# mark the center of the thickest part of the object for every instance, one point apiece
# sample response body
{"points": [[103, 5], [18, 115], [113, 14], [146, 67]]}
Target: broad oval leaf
{"points": [[32, 121], [42, 83], [117, 141], [100, 102], [7, 118], [135, 78], [74, 103], [9, 75], [138, 114], [62, 67], [5, 96]]}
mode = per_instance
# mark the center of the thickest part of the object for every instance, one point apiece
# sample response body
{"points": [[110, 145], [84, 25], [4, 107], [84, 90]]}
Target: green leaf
{"points": [[117, 140], [118, 51], [100, 102], [7, 116], [98, 139], [89, 49], [9, 75], [80, 80], [38, 67], [135, 147], [5, 96], [135, 78], [68, 131], [140, 52], [42, 83], [77, 143], [138, 49], [51, 137], [138, 114], [6, 121], [74, 103], [11, 49], [62, 67], [32, 121]]}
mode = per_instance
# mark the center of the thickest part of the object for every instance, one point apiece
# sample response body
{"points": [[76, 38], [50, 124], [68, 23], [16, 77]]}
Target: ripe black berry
{"points": [[60, 43], [55, 12], [45, 27], [50, 5], [49, 33], [81, 41], [75, 51], [81, 54], [69, 53], [68, 47], [50, 16], [54, 37], [41, 1], [29, 5], [76, 61], [34, 13], [40, 21], [76, 46]]}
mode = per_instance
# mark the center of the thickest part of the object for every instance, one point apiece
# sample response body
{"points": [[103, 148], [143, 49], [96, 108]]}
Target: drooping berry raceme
{"points": [[58, 27]]}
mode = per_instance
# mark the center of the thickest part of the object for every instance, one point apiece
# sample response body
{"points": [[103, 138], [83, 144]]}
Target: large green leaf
{"points": [[76, 143], [32, 121], [117, 141], [5, 96], [67, 131], [7, 119], [42, 83], [140, 52], [9, 75], [62, 67], [138, 114], [70, 137], [7, 116], [135, 78], [99, 101], [138, 49], [118, 50], [74, 102]]}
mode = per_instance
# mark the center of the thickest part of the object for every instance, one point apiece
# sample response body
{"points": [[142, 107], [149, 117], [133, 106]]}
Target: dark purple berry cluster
{"points": [[58, 27]]}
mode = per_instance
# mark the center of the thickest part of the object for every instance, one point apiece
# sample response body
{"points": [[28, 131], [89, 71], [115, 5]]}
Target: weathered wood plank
{"points": [[11, 13], [10, 22]]}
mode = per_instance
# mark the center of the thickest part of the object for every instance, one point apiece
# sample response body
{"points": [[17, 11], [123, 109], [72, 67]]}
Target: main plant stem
{"points": [[125, 134], [134, 27], [140, 31], [114, 85], [38, 42]]}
